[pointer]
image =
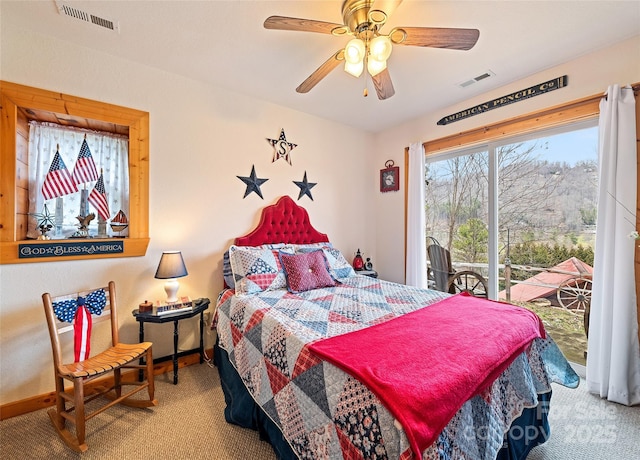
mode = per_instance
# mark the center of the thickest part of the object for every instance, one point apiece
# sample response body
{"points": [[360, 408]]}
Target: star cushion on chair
{"points": [[306, 271]]}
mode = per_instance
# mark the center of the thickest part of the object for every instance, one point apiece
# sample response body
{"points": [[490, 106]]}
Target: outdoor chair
{"points": [[446, 279], [92, 375]]}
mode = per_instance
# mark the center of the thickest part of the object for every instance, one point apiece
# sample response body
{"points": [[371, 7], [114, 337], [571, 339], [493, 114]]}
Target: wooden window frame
{"points": [[15, 99]]}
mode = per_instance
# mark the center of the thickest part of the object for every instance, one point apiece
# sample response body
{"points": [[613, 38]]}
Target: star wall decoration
{"points": [[305, 187], [281, 148], [253, 183]]}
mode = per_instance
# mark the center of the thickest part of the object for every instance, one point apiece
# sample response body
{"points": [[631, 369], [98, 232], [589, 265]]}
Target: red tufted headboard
{"points": [[283, 222]]}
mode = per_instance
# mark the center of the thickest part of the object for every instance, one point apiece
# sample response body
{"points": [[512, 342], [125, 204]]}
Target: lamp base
{"points": [[171, 288]]}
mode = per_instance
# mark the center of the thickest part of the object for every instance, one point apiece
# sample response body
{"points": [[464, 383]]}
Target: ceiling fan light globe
{"points": [[380, 48], [354, 51], [374, 67], [354, 69]]}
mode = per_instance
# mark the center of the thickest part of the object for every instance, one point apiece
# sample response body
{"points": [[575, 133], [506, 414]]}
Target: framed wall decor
{"points": [[390, 177]]}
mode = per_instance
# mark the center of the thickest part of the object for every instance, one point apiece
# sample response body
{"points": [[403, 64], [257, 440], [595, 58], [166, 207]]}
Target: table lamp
{"points": [[171, 266]]}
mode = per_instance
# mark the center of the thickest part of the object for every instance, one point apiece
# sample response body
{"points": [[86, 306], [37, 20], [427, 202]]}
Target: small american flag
{"points": [[58, 181], [98, 198], [85, 169], [82, 326]]}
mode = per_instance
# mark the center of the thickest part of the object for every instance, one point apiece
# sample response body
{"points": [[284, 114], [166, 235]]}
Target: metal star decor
{"points": [[281, 147], [253, 183], [44, 218], [305, 187]]}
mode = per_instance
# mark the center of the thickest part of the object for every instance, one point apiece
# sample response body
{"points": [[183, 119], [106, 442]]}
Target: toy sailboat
{"points": [[119, 222]]}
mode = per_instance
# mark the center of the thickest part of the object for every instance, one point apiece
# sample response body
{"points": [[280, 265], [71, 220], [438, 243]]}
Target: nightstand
{"points": [[369, 273], [199, 306]]}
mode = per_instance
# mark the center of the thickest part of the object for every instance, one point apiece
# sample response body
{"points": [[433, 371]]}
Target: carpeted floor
{"points": [[586, 427], [189, 424]]}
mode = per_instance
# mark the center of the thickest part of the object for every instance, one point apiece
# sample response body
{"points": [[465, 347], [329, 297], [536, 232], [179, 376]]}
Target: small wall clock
{"points": [[390, 177]]}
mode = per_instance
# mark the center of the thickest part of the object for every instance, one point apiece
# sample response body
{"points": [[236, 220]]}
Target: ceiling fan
{"points": [[363, 20]]}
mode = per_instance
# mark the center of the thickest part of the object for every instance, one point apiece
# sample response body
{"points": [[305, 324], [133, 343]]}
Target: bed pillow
{"points": [[308, 247], [338, 265], [257, 269], [227, 272], [306, 271]]}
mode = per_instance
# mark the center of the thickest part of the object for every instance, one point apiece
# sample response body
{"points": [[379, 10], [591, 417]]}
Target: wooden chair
{"points": [[446, 279], [108, 363]]}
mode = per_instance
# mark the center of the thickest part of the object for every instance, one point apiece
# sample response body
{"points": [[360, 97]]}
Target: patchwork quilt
{"points": [[323, 412]]}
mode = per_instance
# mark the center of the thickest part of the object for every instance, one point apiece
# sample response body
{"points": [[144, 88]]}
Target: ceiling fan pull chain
{"points": [[365, 93]]}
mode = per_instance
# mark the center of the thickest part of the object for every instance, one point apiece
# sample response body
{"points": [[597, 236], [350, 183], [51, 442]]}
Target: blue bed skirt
{"points": [[242, 410]]}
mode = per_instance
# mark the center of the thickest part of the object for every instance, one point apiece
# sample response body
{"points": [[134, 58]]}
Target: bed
{"points": [[359, 368]]}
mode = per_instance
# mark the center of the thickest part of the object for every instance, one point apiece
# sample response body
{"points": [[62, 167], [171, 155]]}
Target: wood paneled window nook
{"points": [[22, 104]]}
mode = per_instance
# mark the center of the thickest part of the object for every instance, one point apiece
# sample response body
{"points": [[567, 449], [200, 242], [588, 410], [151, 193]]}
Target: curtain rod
{"points": [[633, 87]]}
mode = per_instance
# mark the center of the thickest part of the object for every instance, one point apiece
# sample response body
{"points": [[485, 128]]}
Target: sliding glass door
{"points": [[521, 213]]}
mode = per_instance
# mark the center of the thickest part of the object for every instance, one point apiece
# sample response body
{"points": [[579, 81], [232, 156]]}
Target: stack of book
{"points": [[166, 308]]}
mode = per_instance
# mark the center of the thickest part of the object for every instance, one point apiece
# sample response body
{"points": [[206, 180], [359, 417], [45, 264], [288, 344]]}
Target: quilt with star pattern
{"points": [[323, 412]]}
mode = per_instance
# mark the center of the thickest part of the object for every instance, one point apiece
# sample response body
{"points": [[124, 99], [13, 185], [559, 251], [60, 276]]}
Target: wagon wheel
{"points": [[468, 281], [575, 294]]}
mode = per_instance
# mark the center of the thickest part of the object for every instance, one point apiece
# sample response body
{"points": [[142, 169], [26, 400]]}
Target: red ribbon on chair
{"points": [[82, 332]]}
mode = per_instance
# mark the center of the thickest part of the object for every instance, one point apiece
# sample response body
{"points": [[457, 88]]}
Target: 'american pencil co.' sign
{"points": [[535, 90]]}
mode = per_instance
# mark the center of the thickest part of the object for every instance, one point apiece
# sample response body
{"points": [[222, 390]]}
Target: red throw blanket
{"points": [[424, 365]]}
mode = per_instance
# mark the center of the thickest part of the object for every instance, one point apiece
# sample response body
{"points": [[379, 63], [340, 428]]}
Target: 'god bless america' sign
{"points": [[521, 95], [69, 248]]}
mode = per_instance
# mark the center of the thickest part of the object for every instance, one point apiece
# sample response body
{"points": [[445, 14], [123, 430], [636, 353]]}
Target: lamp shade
{"points": [[354, 69], [171, 266], [375, 67], [380, 48], [354, 51]]}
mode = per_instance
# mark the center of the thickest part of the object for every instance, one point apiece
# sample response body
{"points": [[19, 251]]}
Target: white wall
{"points": [[587, 75], [201, 138]]}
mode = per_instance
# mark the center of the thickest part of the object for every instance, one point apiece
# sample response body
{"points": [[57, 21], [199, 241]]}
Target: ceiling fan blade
{"points": [[299, 25], [456, 39], [383, 84], [321, 72], [388, 6]]}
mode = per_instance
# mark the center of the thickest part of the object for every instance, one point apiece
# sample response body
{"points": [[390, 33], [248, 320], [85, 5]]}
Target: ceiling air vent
{"points": [[76, 13], [480, 77]]}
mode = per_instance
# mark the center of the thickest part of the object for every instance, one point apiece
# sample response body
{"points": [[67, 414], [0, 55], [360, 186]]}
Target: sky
{"points": [[573, 146]]}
